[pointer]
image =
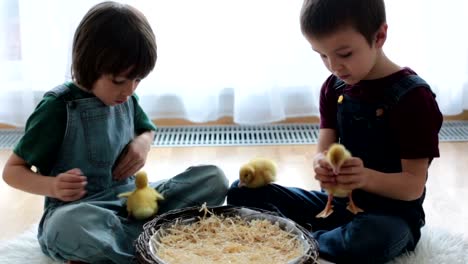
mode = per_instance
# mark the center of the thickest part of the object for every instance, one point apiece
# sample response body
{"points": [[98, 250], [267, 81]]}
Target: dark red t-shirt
{"points": [[415, 120]]}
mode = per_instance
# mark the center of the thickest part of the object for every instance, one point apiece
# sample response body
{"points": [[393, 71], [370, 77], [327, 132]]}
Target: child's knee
{"points": [[69, 230], [212, 179], [62, 222], [215, 184], [195, 186], [68, 223], [60, 231], [372, 242], [218, 179]]}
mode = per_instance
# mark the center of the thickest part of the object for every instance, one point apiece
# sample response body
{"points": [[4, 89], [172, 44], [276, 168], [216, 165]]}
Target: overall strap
{"points": [[403, 86], [339, 84], [59, 91], [398, 89]]}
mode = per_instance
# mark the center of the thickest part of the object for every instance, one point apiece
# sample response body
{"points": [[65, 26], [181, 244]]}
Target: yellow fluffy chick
{"points": [[142, 203], [257, 172], [337, 154]]}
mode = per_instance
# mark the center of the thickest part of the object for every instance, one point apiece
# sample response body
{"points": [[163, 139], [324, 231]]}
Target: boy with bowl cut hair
{"points": [[88, 138], [386, 116]]}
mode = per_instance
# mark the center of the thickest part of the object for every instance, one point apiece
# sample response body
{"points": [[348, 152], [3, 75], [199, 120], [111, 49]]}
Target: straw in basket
{"points": [[146, 251]]}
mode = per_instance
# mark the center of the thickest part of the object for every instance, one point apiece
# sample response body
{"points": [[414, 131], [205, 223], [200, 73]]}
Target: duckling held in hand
{"points": [[257, 172], [142, 203], [337, 154]]}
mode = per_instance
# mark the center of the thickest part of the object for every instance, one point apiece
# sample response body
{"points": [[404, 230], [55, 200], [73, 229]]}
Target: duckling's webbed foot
{"points": [[352, 207], [328, 208]]}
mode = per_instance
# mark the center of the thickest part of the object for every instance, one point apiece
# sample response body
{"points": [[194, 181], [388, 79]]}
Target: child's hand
{"points": [[323, 171], [132, 159], [69, 186], [353, 174]]}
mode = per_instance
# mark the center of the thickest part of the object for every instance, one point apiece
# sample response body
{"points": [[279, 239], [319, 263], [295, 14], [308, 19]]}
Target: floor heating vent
{"points": [[244, 135], [235, 135]]}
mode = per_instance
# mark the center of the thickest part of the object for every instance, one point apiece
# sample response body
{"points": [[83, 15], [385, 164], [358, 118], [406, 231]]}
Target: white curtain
{"points": [[246, 58]]}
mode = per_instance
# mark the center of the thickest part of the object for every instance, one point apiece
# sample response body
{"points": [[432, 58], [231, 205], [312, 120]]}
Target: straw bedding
{"points": [[224, 234]]}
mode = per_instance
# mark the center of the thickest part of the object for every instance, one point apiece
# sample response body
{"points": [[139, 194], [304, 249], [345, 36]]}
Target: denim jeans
{"points": [[343, 237], [97, 230]]}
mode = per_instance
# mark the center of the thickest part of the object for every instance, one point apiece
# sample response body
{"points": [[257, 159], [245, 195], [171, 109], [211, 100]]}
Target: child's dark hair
{"points": [[111, 38], [322, 17]]}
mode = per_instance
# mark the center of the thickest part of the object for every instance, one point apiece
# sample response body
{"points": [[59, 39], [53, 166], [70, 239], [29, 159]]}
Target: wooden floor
{"points": [[448, 175]]}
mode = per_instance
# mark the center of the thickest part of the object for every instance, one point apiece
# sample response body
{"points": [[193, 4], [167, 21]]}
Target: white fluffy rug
{"points": [[436, 246], [444, 238], [23, 249]]}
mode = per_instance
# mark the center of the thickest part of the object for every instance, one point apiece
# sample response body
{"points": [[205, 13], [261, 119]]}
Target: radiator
{"points": [[244, 135]]}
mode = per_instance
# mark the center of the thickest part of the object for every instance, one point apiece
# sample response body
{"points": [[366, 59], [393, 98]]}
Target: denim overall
{"points": [[364, 130], [388, 227], [96, 229]]}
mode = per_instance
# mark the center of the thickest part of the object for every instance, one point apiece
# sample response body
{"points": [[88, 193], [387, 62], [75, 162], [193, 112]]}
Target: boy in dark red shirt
{"points": [[386, 116]]}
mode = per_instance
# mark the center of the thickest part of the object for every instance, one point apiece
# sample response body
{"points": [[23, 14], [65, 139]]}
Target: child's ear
{"points": [[381, 36]]}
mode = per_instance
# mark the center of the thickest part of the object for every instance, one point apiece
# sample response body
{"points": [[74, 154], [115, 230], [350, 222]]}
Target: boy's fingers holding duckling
{"points": [[321, 165], [349, 182], [352, 166], [353, 174], [326, 179]]}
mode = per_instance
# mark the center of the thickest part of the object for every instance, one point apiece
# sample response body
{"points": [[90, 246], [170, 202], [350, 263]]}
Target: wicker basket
{"points": [[145, 252]]}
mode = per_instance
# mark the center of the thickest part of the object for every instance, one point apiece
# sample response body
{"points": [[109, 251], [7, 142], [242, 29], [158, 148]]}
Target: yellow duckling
{"points": [[142, 203], [257, 172], [337, 154]]}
